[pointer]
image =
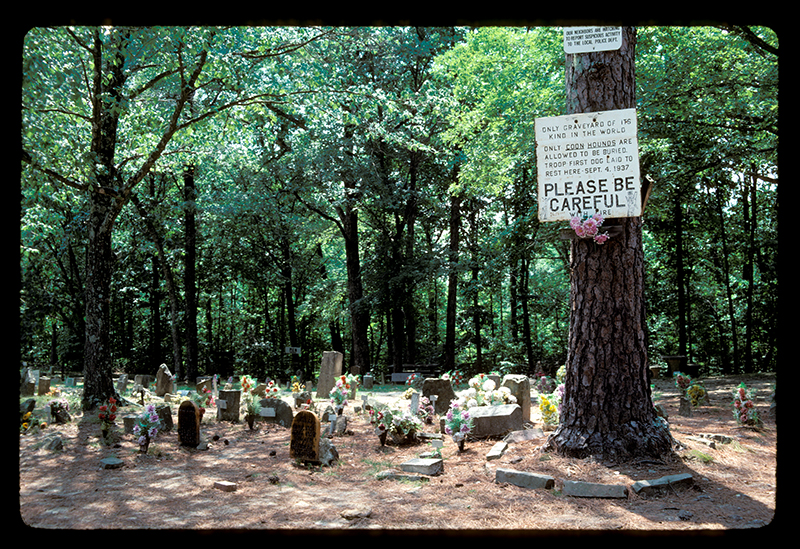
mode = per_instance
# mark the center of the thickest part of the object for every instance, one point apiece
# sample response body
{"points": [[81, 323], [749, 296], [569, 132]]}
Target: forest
{"points": [[238, 200]]}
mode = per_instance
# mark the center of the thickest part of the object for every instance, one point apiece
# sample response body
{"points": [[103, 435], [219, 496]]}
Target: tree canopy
{"points": [[373, 190]]}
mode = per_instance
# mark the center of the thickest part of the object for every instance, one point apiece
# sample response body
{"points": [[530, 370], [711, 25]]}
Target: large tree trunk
{"points": [[607, 409]]}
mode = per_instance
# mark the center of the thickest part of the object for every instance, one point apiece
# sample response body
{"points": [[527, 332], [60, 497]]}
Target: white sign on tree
{"points": [[591, 39], [587, 163]]}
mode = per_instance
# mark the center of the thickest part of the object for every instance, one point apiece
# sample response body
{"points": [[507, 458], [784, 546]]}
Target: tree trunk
{"points": [[607, 409], [189, 276], [449, 359]]}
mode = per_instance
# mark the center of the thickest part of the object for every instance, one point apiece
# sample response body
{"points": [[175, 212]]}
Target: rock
{"points": [[327, 452], [351, 514], [390, 474], [489, 421], [53, 443], [27, 406], [523, 435], [225, 486], [497, 451], [594, 490], [441, 388], [111, 463], [524, 479]]}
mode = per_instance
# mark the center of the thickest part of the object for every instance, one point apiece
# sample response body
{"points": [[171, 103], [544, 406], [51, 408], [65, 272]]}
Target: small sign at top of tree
{"points": [[592, 39]]}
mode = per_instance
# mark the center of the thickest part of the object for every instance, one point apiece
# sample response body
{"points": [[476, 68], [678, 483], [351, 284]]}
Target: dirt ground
{"points": [[734, 485]]}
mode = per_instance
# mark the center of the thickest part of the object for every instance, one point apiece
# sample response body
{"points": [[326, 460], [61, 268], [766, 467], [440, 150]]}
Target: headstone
{"points": [[368, 381], [164, 412], [27, 384], [520, 387], [491, 421], [414, 403], [44, 386], [304, 442], [330, 369], [228, 405], [524, 479], [163, 381], [282, 412], [443, 390], [188, 424], [122, 383], [423, 466], [202, 384], [327, 452]]}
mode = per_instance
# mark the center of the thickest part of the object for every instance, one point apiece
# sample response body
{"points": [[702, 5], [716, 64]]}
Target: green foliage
{"points": [[290, 128]]}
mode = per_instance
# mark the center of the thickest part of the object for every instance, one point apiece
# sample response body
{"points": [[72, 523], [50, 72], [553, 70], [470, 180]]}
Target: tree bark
{"points": [[607, 409], [189, 276]]}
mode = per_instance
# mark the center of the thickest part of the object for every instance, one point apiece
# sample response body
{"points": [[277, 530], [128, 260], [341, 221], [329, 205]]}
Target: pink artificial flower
{"points": [[600, 238], [590, 226]]}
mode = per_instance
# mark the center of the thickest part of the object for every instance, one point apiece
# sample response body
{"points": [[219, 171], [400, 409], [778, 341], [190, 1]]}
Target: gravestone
{"points": [[281, 412], [330, 370], [228, 405], [520, 387], [164, 412], [304, 443], [44, 386], [27, 384], [489, 421], [122, 383], [368, 381], [163, 381], [188, 424], [443, 389]]}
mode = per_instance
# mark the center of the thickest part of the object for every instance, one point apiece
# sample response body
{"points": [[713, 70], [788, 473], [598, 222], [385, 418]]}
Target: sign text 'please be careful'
{"points": [[588, 162]]}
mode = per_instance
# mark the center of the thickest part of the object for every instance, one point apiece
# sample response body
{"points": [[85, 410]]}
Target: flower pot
{"points": [[461, 445], [251, 419], [382, 438], [144, 446]]}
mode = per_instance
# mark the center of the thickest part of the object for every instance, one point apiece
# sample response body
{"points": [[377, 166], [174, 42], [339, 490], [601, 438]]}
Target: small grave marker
{"points": [[188, 424], [267, 412], [304, 443]]}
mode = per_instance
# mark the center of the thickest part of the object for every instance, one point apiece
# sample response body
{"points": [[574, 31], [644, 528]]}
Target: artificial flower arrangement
{"points": [[414, 381], [147, 425], [744, 411], [339, 393], [203, 400], [272, 390], [544, 384], [247, 383], [548, 406], [425, 411], [696, 393], [456, 378], [458, 422], [682, 382], [401, 424], [107, 415], [483, 392], [588, 226], [59, 410], [30, 423]]}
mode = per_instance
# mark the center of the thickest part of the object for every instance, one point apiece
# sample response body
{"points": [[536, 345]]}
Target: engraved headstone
{"points": [[229, 408], [520, 387], [330, 369], [122, 383], [304, 443], [368, 381], [44, 386], [188, 424]]}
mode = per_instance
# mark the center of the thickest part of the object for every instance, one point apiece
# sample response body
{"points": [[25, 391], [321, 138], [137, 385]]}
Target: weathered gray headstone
{"points": [[580, 489], [330, 369], [164, 412], [305, 437], [163, 381], [489, 421], [524, 479], [423, 466], [122, 383], [368, 381], [27, 384], [188, 424], [443, 389], [327, 452], [283, 414], [651, 486], [44, 386], [520, 387]]}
